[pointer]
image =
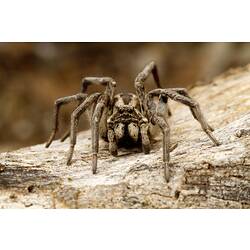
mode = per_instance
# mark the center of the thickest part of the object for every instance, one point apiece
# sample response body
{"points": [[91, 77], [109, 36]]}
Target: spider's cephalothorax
{"points": [[127, 119], [127, 126]]}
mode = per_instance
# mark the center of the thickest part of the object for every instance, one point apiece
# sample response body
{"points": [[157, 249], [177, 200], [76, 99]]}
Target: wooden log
{"points": [[202, 175]]}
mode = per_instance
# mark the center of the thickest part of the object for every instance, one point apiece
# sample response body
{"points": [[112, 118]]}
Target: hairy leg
{"points": [[142, 77], [192, 104], [85, 83], [112, 142], [144, 138], [147, 70], [139, 83], [58, 103], [74, 121], [95, 131], [183, 91], [162, 123], [158, 118], [67, 133], [108, 82]]}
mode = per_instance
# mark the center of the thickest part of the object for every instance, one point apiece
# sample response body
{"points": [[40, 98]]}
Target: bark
{"points": [[202, 175]]}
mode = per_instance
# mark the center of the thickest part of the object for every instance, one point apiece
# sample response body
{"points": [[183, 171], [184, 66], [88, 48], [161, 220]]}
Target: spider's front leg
{"points": [[102, 103], [112, 142], [156, 114], [105, 101], [86, 82], [101, 100], [75, 119]]}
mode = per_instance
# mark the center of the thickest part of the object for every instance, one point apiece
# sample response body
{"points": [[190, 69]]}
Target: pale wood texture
{"points": [[202, 175]]}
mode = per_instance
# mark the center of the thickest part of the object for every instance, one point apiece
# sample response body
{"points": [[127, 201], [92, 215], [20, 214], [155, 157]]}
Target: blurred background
{"points": [[33, 75]]}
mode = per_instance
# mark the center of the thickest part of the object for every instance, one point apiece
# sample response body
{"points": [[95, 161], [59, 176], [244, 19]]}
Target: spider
{"points": [[126, 118]]}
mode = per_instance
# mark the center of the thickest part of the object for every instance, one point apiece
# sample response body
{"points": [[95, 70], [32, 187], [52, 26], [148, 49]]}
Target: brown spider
{"points": [[126, 118]]}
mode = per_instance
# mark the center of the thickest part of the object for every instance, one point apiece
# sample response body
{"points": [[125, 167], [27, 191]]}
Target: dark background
{"points": [[33, 75]]}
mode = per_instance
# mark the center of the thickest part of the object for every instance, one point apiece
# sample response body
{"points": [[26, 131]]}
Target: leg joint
{"points": [[74, 115], [166, 130], [58, 102]]}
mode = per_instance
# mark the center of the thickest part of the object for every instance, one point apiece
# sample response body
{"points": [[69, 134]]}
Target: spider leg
{"points": [[86, 81], [75, 119], [67, 133], [144, 138], [143, 75], [164, 126], [156, 113], [112, 142], [96, 115], [58, 103], [108, 82], [184, 98], [141, 78], [95, 130], [108, 96], [177, 95], [183, 91]]}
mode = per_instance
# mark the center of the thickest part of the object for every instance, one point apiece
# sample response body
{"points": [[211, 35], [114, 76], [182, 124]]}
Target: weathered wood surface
{"points": [[202, 175]]}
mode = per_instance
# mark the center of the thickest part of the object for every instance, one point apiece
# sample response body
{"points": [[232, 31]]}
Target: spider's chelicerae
{"points": [[127, 118]]}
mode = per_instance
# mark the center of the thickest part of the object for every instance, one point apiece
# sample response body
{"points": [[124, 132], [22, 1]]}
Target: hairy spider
{"points": [[126, 118]]}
